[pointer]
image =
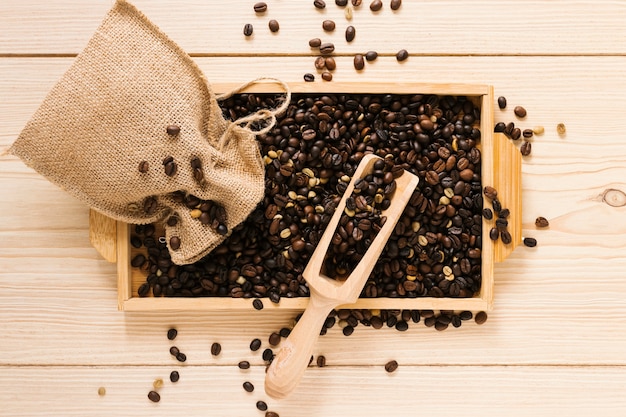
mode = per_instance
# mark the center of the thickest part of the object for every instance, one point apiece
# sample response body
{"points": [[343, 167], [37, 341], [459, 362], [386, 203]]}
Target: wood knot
{"points": [[614, 198]]}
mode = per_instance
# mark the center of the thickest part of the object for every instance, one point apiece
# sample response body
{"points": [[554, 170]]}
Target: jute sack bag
{"points": [[133, 125]]}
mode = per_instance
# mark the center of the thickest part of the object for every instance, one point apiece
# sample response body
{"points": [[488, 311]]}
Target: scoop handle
{"points": [[293, 358]]}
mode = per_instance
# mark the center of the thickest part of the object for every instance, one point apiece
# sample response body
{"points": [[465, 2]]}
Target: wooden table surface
{"points": [[555, 342]]}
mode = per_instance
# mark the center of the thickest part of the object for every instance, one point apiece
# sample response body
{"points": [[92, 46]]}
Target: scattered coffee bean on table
{"points": [[391, 366], [359, 64], [526, 148], [395, 4], [321, 361], [499, 127], [244, 365], [371, 55], [274, 339], [327, 76], [519, 112], [560, 129], [348, 13], [248, 29], [490, 192], [102, 391], [376, 5], [154, 396], [330, 63], [261, 405], [402, 55], [273, 25], [308, 77], [181, 357], [527, 133], [328, 25], [538, 130], [350, 33], [157, 383], [502, 102], [481, 317], [257, 304], [487, 213], [255, 345], [174, 376], [327, 48], [531, 242], [174, 351], [268, 354], [248, 387], [357, 3], [542, 222], [271, 414], [216, 349], [341, 3], [260, 7], [319, 4]]}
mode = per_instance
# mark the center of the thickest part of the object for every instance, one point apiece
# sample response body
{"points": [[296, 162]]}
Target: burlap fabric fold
{"points": [[133, 124]]}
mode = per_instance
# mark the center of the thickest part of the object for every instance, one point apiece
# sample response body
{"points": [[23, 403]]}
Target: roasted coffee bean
{"points": [[308, 77], [327, 48], [181, 357], [519, 112], [260, 7], [171, 334], [561, 129], [516, 133], [402, 54], [542, 222], [526, 148], [315, 43], [499, 127], [376, 5], [144, 166], [357, 3], [268, 354], [248, 29], [490, 192], [402, 326], [502, 102], [497, 206], [216, 349], [150, 205], [321, 361], [350, 33], [255, 345], [487, 213], [527, 133], [174, 376], [494, 233], [138, 260], [505, 237], [172, 130], [327, 76], [391, 366], [174, 243], [501, 223], [348, 330], [395, 4], [244, 365], [273, 25], [174, 351], [274, 339], [531, 242], [320, 62], [341, 3], [371, 56], [257, 304], [330, 63], [481, 317], [261, 405], [328, 25], [170, 168], [248, 387], [272, 413], [504, 213], [359, 63], [319, 4], [154, 396]]}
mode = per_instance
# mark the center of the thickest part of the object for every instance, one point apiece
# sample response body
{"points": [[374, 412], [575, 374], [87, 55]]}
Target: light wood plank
{"points": [[330, 391], [422, 27]]}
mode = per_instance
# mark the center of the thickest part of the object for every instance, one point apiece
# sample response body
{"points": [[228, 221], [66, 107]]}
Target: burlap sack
{"points": [[110, 113]]}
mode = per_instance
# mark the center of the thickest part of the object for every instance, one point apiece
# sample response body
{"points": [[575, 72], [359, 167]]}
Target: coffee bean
{"points": [[527, 133], [257, 304], [508, 129], [525, 149], [327, 76], [274, 339], [348, 330], [321, 361], [505, 237], [402, 54], [174, 351], [487, 213], [174, 243], [255, 345], [273, 25], [171, 334], [376, 5], [181, 357], [341, 3], [319, 4], [330, 63], [350, 33], [320, 62], [395, 4], [502, 102], [154, 396], [560, 129], [157, 383], [359, 64], [494, 233], [481, 317], [271, 414], [516, 133], [268, 355], [174, 376], [499, 127], [315, 43], [357, 3], [216, 349], [504, 213], [248, 29], [308, 77], [519, 112], [261, 405], [244, 365], [144, 166], [327, 48], [490, 192], [248, 387], [260, 7], [172, 130], [497, 206], [328, 25], [541, 222], [138, 260], [501, 223], [150, 205], [402, 326], [371, 55], [530, 242], [391, 366]]}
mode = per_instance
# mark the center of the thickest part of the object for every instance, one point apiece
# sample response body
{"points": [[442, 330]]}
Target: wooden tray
{"points": [[501, 168]]}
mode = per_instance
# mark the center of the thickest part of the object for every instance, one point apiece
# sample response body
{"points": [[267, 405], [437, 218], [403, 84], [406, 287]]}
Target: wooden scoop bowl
{"points": [[325, 293]]}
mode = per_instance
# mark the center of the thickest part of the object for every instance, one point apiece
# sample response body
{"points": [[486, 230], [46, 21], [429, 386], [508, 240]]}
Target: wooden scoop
{"points": [[325, 293]]}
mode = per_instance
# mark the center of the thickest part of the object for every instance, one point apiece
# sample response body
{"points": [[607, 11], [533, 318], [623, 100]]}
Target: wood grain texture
{"points": [[337, 391], [430, 27], [103, 235]]}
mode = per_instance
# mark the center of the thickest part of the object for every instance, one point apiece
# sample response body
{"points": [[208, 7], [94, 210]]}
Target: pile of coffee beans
{"points": [[310, 156]]}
